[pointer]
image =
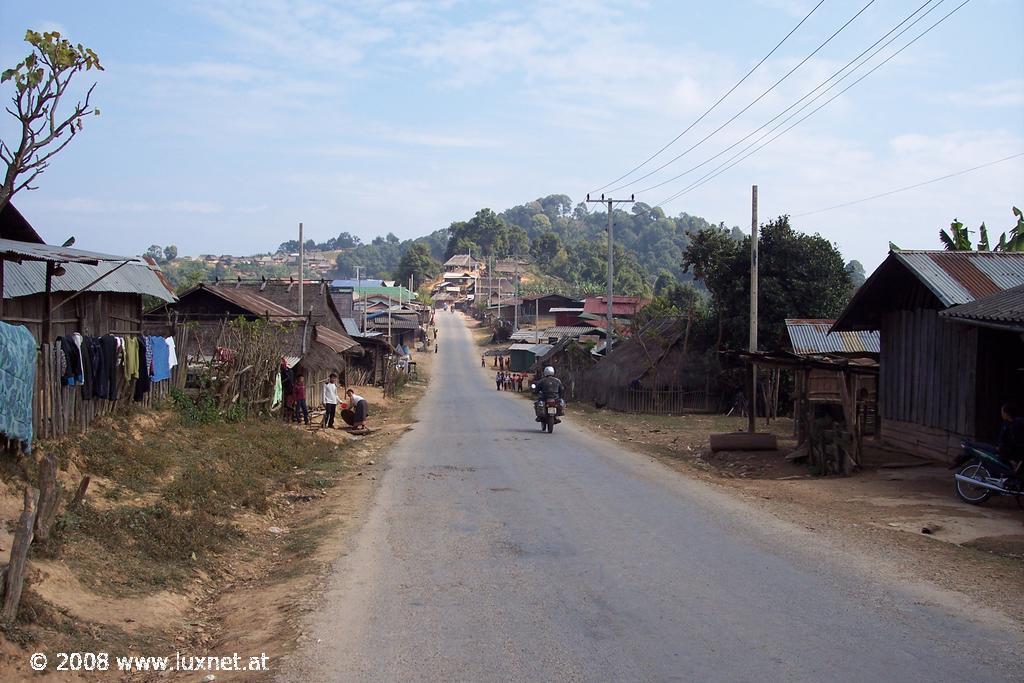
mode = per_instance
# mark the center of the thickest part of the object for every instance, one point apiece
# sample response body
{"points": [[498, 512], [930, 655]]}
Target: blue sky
{"points": [[224, 123]]}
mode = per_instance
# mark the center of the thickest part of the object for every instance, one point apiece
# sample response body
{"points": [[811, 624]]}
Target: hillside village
{"points": [[562, 440]]}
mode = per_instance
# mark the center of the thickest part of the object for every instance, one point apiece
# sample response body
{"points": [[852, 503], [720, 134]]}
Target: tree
{"points": [[418, 263], [546, 248], [855, 270], [155, 252], [41, 82], [799, 276], [958, 237], [289, 247], [170, 253]]}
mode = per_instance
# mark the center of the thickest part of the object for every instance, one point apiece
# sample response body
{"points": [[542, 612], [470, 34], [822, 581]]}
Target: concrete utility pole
{"points": [[752, 411], [611, 260], [302, 256]]}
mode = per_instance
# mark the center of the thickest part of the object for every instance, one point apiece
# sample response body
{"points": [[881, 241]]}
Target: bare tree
{"points": [[41, 81]]}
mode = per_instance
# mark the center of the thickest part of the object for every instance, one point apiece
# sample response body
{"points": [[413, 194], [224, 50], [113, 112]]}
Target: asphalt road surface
{"points": [[494, 552]]}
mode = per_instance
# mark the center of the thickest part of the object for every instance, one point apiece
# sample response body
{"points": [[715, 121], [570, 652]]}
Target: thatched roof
{"points": [[654, 356]]}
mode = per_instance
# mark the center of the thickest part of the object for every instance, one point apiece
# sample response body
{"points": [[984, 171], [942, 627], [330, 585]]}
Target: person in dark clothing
{"points": [[548, 387], [355, 411], [299, 399], [1011, 433]]}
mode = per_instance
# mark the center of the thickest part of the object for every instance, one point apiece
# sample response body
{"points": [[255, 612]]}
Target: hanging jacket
{"points": [[142, 383], [131, 358], [108, 349]]}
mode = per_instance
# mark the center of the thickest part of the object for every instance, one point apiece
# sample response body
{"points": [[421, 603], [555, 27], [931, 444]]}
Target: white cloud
{"points": [[1008, 93]]}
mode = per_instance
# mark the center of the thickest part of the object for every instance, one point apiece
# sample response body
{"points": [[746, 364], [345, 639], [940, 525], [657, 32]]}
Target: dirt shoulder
{"points": [[898, 509], [207, 539]]}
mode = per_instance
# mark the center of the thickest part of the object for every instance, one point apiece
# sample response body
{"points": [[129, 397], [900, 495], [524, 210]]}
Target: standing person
{"points": [[519, 382], [356, 410], [330, 400], [483, 362], [497, 380], [299, 399]]}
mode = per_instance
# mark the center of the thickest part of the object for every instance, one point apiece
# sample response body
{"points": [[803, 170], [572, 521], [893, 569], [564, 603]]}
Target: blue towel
{"points": [[161, 359], [17, 381]]}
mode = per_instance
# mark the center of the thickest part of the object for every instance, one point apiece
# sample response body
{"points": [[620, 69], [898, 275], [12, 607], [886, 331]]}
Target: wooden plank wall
{"points": [[927, 380]]}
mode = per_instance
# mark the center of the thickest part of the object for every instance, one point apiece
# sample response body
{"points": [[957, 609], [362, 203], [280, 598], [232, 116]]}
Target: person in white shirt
{"points": [[355, 412], [330, 400]]}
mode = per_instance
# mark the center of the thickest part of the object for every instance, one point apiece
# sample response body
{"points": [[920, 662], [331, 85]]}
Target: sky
{"points": [[224, 123]]}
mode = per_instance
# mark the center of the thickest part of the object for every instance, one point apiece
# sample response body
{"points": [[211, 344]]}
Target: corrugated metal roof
{"points": [[959, 277], [138, 277], [535, 349], [563, 310], [31, 251], [1003, 308], [335, 340], [563, 331], [351, 326], [812, 336], [621, 305], [252, 302]]}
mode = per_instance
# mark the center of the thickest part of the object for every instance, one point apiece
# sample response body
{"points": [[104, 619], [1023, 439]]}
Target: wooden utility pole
{"points": [[611, 260], [752, 408]]}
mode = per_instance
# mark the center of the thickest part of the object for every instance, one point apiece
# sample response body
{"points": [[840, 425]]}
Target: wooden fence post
{"points": [[14, 572], [49, 496]]}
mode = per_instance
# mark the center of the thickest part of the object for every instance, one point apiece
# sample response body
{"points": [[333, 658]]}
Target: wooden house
{"points": [[544, 304], [941, 376], [313, 349], [56, 291]]}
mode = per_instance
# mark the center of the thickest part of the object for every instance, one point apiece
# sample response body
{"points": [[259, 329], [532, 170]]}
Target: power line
{"points": [[910, 187], [713, 106], [742, 157], [746, 108], [812, 91]]}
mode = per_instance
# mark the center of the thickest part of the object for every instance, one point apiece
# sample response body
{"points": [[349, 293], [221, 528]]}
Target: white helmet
{"points": [[549, 371]]}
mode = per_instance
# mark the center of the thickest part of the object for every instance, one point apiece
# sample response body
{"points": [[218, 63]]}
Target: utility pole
{"points": [[611, 260], [515, 303], [752, 411], [359, 286], [302, 255]]}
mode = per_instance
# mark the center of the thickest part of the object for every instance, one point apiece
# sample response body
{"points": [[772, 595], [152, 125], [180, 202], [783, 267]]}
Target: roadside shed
{"points": [[940, 382], [523, 356]]}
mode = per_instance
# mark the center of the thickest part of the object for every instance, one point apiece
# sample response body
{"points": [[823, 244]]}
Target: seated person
{"points": [[549, 386], [1011, 434], [355, 410]]}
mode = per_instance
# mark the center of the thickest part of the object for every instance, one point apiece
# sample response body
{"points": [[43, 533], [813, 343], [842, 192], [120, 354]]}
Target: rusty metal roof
{"points": [[811, 336], [1003, 310], [959, 277], [137, 277], [335, 340], [250, 301]]}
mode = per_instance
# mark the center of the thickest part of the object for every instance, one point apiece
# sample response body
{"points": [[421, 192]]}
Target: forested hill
{"points": [[566, 242]]}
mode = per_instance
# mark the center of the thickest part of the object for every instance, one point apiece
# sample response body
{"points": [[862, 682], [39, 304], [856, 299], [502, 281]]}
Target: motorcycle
{"points": [[548, 410], [983, 472]]}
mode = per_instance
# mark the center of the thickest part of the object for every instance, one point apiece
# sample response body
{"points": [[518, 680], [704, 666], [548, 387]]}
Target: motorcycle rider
{"points": [[549, 387]]}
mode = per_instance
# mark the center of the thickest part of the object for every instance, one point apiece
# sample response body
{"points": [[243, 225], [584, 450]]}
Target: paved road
{"points": [[496, 553]]}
